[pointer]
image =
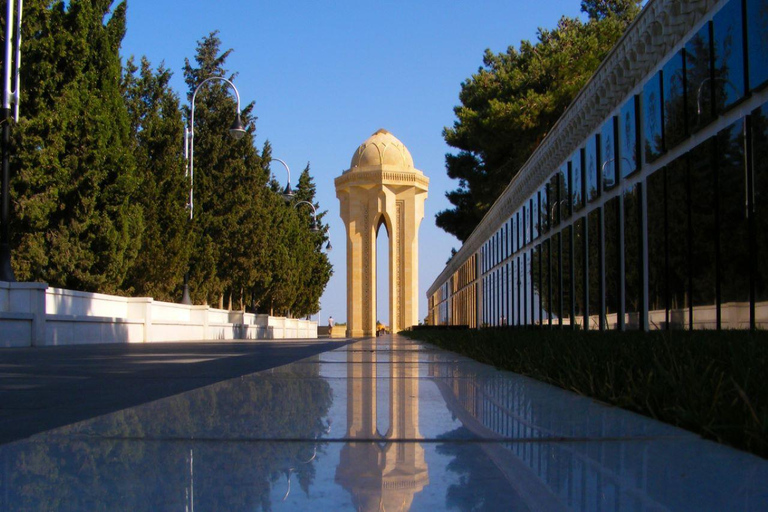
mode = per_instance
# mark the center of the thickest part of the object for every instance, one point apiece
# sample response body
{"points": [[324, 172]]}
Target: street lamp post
{"points": [[288, 192], [10, 96], [236, 131], [313, 227]]}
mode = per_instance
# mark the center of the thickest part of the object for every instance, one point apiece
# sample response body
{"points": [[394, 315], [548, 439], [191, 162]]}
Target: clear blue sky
{"points": [[326, 75]]}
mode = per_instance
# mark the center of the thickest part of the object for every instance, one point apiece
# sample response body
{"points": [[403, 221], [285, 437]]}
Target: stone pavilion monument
{"points": [[382, 188]]}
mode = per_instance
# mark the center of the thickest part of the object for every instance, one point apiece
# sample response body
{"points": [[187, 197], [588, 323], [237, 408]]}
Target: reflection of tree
{"points": [[657, 243], [628, 137], [475, 490], [544, 209], [541, 274], [677, 226], [594, 246], [703, 182], [652, 103], [682, 235], [734, 232], [757, 34], [632, 256], [759, 120], [592, 167], [608, 156], [552, 277], [612, 265], [674, 102], [728, 78], [556, 278], [698, 76], [567, 273], [577, 180], [112, 463], [564, 191], [579, 278]]}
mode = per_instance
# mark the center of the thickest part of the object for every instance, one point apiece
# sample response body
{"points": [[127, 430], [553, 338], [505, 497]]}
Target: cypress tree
{"points": [[157, 131], [228, 176], [293, 270], [75, 221], [314, 267]]}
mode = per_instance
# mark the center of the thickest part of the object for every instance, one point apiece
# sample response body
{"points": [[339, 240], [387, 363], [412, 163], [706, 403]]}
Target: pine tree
{"points": [[511, 103], [75, 221], [157, 132]]}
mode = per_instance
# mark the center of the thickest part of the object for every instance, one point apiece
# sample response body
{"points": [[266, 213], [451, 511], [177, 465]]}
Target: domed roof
{"points": [[382, 149]]}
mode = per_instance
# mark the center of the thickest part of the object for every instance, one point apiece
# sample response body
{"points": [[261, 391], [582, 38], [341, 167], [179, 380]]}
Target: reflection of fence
{"points": [[33, 314], [566, 474], [562, 451]]}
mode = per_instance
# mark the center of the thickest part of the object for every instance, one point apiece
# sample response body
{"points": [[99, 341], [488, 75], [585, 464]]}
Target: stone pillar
{"points": [[361, 263]]}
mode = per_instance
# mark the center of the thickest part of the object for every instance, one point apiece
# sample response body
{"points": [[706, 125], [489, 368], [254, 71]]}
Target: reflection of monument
{"points": [[382, 472], [382, 188]]}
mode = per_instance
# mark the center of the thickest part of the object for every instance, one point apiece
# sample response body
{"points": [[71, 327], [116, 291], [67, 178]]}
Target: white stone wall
{"points": [[32, 314]]}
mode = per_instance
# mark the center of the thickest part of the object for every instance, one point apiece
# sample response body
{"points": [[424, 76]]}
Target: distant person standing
{"points": [[330, 322]]}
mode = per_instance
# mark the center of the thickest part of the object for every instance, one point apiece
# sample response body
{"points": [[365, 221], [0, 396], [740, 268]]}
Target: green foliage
{"points": [[704, 381], [511, 103], [295, 268], [157, 131], [99, 184], [75, 223], [227, 183], [317, 267], [251, 247]]}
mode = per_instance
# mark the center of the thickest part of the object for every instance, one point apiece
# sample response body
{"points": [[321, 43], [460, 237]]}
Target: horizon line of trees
{"points": [[99, 188]]}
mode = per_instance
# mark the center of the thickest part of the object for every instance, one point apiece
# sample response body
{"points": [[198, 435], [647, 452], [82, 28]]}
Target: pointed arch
{"points": [[382, 219]]}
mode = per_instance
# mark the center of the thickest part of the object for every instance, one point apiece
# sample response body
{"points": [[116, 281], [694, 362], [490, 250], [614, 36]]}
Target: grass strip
{"points": [[712, 383]]}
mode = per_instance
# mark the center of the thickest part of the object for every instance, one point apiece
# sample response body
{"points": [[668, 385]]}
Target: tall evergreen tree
{"points": [[275, 185], [511, 103], [75, 221], [305, 191], [294, 269], [99, 174], [157, 131], [250, 247], [276, 284], [228, 177], [316, 268]]}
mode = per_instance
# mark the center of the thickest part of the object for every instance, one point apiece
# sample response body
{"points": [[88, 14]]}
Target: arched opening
{"points": [[383, 290]]}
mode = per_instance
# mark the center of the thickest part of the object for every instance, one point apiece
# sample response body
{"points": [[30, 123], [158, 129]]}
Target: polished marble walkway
{"points": [[377, 425]]}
